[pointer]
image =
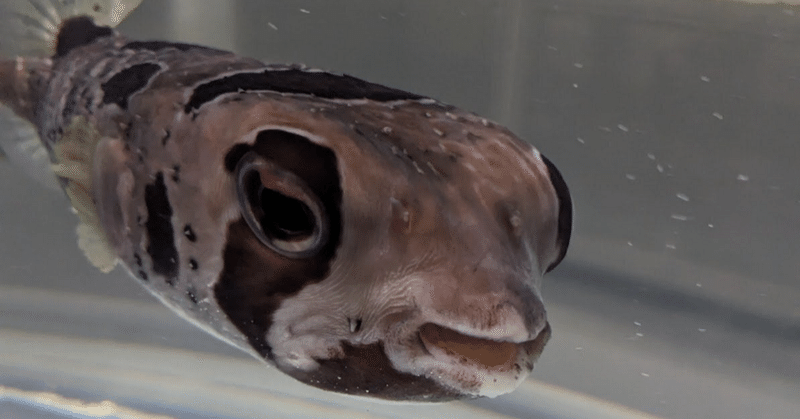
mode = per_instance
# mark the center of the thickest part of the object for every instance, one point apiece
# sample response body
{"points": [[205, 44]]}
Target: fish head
{"points": [[394, 252]]}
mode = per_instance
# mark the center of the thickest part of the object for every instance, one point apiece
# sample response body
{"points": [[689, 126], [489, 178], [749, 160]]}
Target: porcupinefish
{"points": [[362, 239]]}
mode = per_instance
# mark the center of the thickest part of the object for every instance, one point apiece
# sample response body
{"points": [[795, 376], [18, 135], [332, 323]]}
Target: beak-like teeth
{"points": [[442, 342]]}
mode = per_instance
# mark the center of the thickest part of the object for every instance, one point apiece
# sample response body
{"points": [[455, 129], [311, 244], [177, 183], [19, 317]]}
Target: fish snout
{"points": [[479, 342]]}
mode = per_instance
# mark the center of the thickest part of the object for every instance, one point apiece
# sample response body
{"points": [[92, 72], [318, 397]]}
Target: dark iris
{"points": [[283, 217]]}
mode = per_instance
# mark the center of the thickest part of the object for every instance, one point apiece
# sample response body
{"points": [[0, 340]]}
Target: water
{"points": [[673, 122]]}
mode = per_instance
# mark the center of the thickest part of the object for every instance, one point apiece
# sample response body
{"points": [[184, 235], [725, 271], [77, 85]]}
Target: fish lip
{"points": [[445, 343]]}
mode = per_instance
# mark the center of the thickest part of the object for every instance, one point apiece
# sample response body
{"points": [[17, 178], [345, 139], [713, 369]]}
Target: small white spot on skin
{"points": [[516, 220], [682, 197], [433, 169], [428, 114], [485, 122], [718, 115], [387, 130], [438, 132], [416, 166]]}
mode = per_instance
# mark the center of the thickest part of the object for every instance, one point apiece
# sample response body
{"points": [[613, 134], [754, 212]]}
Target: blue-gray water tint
{"points": [[674, 122]]}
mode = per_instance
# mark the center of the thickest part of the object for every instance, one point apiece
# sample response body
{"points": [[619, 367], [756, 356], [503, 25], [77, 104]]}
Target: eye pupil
{"points": [[285, 218], [280, 209]]}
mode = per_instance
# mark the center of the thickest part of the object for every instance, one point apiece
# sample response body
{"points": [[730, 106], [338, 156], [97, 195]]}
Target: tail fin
{"points": [[29, 28]]}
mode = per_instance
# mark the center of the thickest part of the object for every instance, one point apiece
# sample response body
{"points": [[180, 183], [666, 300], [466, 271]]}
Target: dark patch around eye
{"points": [[255, 280], [161, 237], [176, 173], [235, 154], [78, 31], [120, 87], [564, 211], [193, 265], [319, 84]]}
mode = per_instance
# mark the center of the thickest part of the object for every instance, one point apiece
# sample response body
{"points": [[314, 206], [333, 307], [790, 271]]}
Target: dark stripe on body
{"points": [[319, 84], [120, 87], [160, 234], [156, 46]]}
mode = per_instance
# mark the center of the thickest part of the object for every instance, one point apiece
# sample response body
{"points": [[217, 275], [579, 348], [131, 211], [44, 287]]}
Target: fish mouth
{"points": [[494, 355]]}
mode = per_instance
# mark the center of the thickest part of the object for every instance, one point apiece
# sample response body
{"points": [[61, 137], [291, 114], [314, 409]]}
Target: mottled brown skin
{"points": [[438, 217]]}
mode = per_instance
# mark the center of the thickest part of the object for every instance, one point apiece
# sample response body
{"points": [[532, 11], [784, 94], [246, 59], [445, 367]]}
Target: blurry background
{"points": [[674, 122]]}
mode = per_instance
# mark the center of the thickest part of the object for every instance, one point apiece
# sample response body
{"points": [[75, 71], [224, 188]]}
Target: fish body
{"points": [[362, 239]]}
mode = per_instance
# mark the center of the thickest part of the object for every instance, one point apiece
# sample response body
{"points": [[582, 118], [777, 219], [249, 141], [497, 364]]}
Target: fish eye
{"points": [[280, 208]]}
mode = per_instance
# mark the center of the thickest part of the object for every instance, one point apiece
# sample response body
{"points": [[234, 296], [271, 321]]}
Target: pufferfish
{"points": [[361, 239]]}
